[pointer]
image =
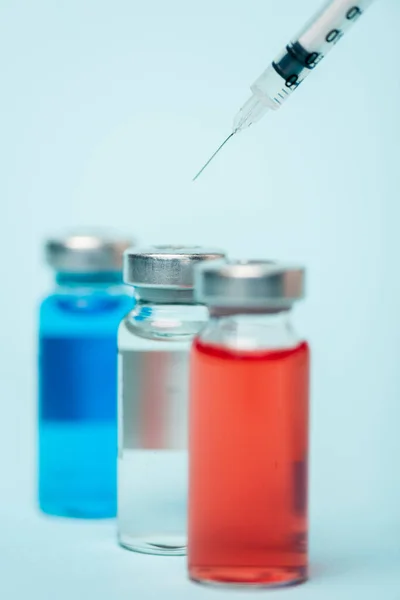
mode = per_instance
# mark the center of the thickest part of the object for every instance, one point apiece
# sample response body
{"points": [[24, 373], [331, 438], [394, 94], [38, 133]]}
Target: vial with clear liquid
{"points": [[248, 429], [153, 344], [78, 323]]}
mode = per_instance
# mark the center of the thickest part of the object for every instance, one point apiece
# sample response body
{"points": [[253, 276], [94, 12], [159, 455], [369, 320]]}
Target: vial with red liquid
{"points": [[248, 436]]}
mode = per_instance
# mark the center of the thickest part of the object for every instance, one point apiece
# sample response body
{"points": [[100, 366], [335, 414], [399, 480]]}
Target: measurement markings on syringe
{"points": [[296, 61]]}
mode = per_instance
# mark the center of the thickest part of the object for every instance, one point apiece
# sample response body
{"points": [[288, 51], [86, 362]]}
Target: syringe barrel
{"points": [[302, 55]]}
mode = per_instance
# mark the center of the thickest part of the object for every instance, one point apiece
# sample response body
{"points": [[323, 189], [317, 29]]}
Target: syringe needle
{"points": [[212, 156]]}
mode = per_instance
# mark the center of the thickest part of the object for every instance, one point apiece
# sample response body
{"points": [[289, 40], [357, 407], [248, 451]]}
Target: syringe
{"points": [[295, 62]]}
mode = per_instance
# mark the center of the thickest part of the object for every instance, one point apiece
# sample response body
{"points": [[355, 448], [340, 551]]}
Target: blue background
{"points": [[107, 110]]}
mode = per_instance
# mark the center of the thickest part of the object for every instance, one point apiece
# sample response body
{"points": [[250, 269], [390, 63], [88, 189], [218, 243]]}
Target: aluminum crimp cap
{"points": [[166, 267], [253, 284], [87, 252]]}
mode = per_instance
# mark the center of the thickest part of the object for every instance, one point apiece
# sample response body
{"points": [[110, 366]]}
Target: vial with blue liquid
{"points": [[77, 437]]}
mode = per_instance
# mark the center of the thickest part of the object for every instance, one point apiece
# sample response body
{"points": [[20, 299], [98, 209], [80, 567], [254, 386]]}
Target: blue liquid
{"points": [[78, 403]]}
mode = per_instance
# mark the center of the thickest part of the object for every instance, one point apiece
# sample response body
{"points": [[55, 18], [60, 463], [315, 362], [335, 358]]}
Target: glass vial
{"points": [[154, 344], [248, 430], [78, 376]]}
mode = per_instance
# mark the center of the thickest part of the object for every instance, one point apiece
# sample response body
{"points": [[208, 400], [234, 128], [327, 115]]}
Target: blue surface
{"points": [[108, 109], [78, 402]]}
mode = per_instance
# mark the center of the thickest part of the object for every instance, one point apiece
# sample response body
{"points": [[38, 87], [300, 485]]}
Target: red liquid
{"points": [[248, 465]]}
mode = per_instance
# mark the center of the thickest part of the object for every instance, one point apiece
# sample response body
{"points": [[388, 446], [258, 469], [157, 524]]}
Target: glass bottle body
{"points": [[154, 344], [248, 452], [77, 442]]}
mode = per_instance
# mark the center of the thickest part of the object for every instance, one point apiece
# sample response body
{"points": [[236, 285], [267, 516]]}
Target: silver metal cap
{"points": [[87, 252], [253, 284], [156, 270]]}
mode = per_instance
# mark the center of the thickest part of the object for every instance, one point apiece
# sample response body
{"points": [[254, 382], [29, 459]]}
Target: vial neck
{"points": [[165, 320], [271, 320], [251, 330], [161, 296], [275, 314], [90, 293], [78, 282], [167, 310], [101, 279]]}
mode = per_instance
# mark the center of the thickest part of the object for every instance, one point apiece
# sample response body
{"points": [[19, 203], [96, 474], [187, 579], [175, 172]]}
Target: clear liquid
{"points": [[154, 347], [152, 491]]}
